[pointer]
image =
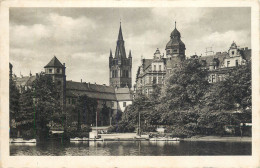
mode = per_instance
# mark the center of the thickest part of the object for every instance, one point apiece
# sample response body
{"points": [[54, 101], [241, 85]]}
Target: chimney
{"points": [[242, 49], [88, 84], [80, 80], [246, 48], [64, 64]]}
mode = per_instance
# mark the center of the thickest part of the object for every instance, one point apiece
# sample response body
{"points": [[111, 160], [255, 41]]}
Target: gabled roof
{"points": [[25, 81], [54, 63]]}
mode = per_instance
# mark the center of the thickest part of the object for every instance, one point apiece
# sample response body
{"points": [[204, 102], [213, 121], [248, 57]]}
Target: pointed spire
{"points": [[120, 34], [175, 24], [130, 54]]}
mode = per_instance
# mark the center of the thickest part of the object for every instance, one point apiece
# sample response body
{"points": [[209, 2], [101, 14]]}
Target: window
{"points": [[126, 73], [213, 78], [174, 50], [112, 104], [154, 67], [115, 73], [233, 52], [58, 70], [150, 80], [236, 62], [160, 67], [50, 70], [73, 101], [154, 80], [159, 80], [124, 104], [228, 63]]}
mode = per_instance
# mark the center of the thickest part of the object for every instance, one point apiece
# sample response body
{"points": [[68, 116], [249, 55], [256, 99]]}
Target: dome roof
{"points": [[174, 42], [175, 33]]}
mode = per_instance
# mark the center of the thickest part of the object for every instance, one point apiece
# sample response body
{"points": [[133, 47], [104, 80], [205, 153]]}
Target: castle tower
{"points": [[175, 47], [120, 66], [57, 71]]}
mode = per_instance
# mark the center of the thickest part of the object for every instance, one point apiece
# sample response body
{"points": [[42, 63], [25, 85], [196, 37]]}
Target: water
{"points": [[133, 148]]}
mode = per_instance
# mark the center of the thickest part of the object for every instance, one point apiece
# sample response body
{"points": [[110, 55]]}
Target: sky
{"points": [[82, 37]]}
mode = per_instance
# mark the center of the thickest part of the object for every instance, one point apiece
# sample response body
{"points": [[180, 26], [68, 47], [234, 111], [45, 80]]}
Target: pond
{"points": [[133, 148]]}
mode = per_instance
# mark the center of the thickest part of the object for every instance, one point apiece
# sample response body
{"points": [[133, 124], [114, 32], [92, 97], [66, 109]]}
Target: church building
{"points": [[120, 66]]}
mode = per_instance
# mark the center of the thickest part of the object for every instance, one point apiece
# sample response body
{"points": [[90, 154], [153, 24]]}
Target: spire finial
{"points": [[175, 24]]}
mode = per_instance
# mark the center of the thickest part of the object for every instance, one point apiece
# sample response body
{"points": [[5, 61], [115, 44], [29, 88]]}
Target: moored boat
{"points": [[164, 139], [21, 140]]}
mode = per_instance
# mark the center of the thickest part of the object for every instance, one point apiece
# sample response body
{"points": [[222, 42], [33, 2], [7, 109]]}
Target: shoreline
{"points": [[219, 138]]}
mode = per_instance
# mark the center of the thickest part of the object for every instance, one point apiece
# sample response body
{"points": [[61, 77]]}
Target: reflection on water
{"points": [[133, 148]]}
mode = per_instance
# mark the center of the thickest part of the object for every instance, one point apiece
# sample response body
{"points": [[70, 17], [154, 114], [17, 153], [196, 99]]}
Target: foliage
{"points": [[47, 103], [14, 105]]}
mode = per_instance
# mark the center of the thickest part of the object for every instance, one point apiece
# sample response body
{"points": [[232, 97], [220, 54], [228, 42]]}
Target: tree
{"points": [[14, 106], [47, 106]]}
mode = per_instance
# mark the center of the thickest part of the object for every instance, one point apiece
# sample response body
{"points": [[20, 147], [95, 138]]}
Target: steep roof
{"points": [[120, 47], [147, 63], [24, 81], [54, 63], [95, 91], [209, 58]]}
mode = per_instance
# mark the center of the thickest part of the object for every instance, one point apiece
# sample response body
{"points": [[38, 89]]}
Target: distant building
{"points": [[120, 66], [220, 63]]}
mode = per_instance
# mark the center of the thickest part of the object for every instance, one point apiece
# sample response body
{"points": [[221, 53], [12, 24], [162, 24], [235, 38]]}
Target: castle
{"points": [[116, 97]]}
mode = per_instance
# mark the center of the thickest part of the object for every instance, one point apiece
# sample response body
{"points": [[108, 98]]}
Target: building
{"points": [[220, 63], [152, 72], [115, 97], [120, 66]]}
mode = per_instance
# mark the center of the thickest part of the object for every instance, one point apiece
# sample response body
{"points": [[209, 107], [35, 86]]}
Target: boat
{"points": [[79, 139], [21, 140], [164, 139]]}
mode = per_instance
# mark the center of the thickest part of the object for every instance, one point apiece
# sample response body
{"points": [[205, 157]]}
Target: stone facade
{"points": [[152, 72]]}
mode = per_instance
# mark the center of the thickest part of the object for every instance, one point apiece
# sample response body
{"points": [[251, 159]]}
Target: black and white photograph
{"points": [[131, 81]]}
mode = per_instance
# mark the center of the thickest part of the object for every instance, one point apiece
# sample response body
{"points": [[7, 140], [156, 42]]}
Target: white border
{"points": [[126, 161]]}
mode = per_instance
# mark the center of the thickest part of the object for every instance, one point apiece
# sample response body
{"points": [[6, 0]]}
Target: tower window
{"points": [[124, 104], [233, 52], [50, 70], [160, 67], [236, 62], [126, 73], [58, 70], [154, 67], [154, 80], [213, 78]]}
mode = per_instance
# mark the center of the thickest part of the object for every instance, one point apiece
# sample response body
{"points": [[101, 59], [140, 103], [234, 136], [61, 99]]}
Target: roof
{"points": [[102, 92], [147, 63], [24, 81], [54, 63], [123, 94], [75, 89], [208, 59]]}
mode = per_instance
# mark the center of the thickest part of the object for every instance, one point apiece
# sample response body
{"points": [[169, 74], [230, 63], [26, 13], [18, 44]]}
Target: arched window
{"points": [[126, 73]]}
